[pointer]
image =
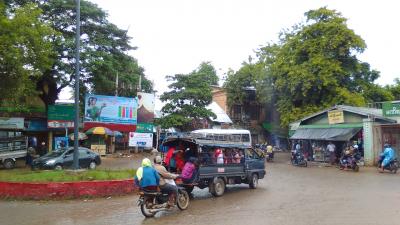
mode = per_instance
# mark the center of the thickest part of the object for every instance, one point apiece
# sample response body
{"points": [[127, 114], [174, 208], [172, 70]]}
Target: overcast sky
{"points": [[175, 36]]}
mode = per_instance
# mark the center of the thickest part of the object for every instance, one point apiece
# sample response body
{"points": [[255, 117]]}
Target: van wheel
{"points": [[218, 188], [254, 181], [9, 164]]}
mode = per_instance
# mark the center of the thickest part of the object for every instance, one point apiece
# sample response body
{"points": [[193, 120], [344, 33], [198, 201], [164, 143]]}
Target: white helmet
{"points": [[355, 146]]}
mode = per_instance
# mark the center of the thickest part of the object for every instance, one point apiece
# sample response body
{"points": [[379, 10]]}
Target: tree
{"points": [[315, 66], [25, 52], [249, 75], [104, 50], [394, 89], [186, 102]]}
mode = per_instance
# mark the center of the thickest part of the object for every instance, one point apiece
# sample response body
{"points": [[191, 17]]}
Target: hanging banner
{"points": [[110, 109], [140, 140], [335, 117], [60, 142], [145, 112]]}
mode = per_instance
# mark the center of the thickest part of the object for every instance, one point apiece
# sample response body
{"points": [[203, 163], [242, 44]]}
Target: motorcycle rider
{"points": [[387, 156], [166, 184], [147, 177]]}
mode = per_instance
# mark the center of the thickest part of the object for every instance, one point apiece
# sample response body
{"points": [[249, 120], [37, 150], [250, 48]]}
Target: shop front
{"points": [[343, 126]]}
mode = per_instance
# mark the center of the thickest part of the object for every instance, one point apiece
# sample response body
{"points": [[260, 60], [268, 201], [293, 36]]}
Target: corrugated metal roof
{"points": [[222, 117]]}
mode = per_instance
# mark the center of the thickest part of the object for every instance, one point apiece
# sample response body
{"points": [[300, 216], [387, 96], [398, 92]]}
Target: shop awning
{"points": [[328, 134]]}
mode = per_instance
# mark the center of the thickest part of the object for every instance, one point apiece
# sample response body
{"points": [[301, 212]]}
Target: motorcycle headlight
{"points": [[51, 161]]}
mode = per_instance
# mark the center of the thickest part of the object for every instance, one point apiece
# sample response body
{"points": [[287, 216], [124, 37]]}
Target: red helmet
{"points": [[218, 151]]}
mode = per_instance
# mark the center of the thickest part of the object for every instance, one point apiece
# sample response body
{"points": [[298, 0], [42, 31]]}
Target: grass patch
{"points": [[27, 175]]}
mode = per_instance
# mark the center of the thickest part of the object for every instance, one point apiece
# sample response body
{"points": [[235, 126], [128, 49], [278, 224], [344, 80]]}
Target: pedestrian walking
{"points": [[331, 149]]}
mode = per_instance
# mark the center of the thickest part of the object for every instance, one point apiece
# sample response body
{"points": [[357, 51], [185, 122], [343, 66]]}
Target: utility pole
{"points": [[75, 164], [116, 85]]}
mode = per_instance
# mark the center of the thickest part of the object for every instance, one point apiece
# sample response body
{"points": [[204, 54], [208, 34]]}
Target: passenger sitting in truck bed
{"points": [[205, 158], [228, 157], [219, 156], [236, 156], [180, 161], [190, 171]]}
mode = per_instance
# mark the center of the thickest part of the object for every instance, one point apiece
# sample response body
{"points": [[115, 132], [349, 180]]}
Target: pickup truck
{"points": [[11, 149], [216, 176]]}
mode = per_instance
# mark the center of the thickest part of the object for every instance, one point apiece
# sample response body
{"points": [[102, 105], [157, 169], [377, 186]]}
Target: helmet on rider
{"points": [[387, 145]]}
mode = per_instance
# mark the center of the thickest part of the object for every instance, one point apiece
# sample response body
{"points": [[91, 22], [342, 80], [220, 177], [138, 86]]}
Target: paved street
{"points": [[288, 195]]}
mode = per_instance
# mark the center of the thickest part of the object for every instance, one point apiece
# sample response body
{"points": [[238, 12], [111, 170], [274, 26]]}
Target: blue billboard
{"points": [[111, 109]]}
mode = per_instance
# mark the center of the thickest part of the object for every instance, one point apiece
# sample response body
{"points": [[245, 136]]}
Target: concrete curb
{"points": [[65, 190]]}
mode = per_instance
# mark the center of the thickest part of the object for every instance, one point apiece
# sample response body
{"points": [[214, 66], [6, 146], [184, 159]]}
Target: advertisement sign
{"points": [[140, 140], [144, 128], [145, 110], [110, 109], [60, 116], [391, 109], [60, 142], [12, 123], [335, 117]]}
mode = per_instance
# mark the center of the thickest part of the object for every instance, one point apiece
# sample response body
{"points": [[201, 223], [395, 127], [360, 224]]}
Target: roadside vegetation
{"points": [[25, 175]]}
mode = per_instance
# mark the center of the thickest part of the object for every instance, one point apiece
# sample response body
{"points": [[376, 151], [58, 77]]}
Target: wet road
{"points": [[288, 195]]}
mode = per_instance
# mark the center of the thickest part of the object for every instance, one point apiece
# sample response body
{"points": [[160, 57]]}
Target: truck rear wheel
{"points": [[9, 164], [218, 188]]}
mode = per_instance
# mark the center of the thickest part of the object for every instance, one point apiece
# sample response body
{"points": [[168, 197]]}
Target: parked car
{"points": [[60, 159]]}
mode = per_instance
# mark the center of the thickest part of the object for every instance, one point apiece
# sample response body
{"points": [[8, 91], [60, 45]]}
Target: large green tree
{"points": [[315, 66], [187, 100], [25, 52], [104, 51]]}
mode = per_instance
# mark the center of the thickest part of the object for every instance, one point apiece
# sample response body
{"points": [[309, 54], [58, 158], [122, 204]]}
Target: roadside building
{"points": [[343, 126]]}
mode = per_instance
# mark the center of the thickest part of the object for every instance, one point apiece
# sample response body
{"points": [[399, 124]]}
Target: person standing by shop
{"points": [[43, 149], [331, 148]]}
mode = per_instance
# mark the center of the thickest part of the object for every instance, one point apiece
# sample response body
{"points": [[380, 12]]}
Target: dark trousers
{"points": [[169, 189]]}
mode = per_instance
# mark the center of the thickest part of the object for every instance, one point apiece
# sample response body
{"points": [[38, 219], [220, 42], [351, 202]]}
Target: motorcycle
{"points": [[151, 202], [348, 162], [391, 167], [270, 156], [298, 159]]}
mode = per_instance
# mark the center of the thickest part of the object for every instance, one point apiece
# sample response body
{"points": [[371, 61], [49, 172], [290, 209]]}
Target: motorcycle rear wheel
{"points": [[145, 211]]}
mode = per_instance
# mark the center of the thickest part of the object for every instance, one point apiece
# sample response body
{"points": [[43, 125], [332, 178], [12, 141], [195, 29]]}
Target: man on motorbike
{"points": [[387, 156], [147, 177], [166, 184]]}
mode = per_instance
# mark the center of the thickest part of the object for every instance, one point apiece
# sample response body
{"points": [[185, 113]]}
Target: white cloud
{"points": [[174, 36]]}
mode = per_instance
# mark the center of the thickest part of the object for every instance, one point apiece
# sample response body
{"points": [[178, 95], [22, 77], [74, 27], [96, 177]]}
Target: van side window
{"points": [[245, 138], [236, 137]]}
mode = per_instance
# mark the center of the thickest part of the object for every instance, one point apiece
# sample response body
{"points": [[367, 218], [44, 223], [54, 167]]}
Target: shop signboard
{"points": [[140, 140], [12, 123], [110, 109], [391, 109], [335, 117], [145, 110], [144, 128], [60, 116]]}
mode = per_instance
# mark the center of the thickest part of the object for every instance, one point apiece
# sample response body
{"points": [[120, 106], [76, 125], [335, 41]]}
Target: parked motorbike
{"points": [[391, 167], [348, 162], [298, 159], [151, 202]]}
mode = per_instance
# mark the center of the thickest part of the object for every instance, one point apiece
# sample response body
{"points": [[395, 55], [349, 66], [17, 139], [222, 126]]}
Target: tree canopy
{"points": [[190, 94], [25, 52], [315, 66], [104, 51]]}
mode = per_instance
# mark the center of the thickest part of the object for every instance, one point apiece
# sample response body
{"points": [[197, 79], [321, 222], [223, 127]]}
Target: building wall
{"points": [[220, 97]]}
